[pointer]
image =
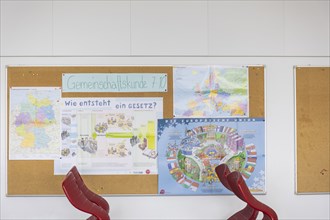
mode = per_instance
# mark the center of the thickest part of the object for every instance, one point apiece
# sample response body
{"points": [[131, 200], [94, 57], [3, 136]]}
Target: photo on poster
{"points": [[189, 150], [212, 91], [34, 123]]}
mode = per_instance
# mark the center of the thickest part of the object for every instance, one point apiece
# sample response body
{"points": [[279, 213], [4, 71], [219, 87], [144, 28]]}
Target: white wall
{"points": [[277, 34]]}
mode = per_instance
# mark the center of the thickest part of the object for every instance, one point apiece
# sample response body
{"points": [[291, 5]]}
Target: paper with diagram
{"points": [[109, 135]]}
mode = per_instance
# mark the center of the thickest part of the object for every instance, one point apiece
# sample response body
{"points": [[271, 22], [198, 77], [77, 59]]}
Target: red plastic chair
{"points": [[239, 187], [247, 213], [93, 197], [79, 200]]}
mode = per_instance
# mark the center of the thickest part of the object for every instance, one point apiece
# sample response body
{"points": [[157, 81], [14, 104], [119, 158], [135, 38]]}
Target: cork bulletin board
{"points": [[312, 130], [36, 177]]}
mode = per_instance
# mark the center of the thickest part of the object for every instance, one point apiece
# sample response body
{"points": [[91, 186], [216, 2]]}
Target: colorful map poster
{"points": [[34, 122], [190, 149], [211, 91], [109, 135]]}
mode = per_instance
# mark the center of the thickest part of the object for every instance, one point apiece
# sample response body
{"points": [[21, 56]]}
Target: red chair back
{"points": [[222, 171], [239, 187], [78, 199], [93, 197], [247, 213]]}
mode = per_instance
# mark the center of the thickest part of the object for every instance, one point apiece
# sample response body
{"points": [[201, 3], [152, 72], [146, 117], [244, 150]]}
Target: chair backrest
{"points": [[93, 197], [247, 213], [222, 171], [239, 187], [78, 199]]}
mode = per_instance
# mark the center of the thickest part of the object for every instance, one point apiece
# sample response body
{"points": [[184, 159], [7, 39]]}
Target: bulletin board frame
{"points": [[36, 177], [312, 120]]}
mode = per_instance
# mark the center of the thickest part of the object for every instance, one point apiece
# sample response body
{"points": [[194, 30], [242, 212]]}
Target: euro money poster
{"points": [[211, 91]]}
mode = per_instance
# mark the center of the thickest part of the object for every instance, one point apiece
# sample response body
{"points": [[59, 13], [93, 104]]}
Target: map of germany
{"points": [[34, 123]]}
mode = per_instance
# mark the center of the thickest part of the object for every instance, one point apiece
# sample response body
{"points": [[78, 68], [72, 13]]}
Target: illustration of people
{"points": [[188, 166], [112, 121], [122, 150], [189, 133], [88, 144]]}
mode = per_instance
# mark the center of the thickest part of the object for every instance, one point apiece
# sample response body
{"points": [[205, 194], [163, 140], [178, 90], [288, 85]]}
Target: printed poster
{"points": [[109, 135], [190, 149], [211, 91], [34, 122]]}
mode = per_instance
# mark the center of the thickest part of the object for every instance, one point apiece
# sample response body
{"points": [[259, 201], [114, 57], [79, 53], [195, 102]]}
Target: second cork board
{"points": [[312, 130]]}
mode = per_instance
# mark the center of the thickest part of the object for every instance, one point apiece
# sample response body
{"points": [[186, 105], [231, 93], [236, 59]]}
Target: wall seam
{"points": [[130, 28], [52, 28]]}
